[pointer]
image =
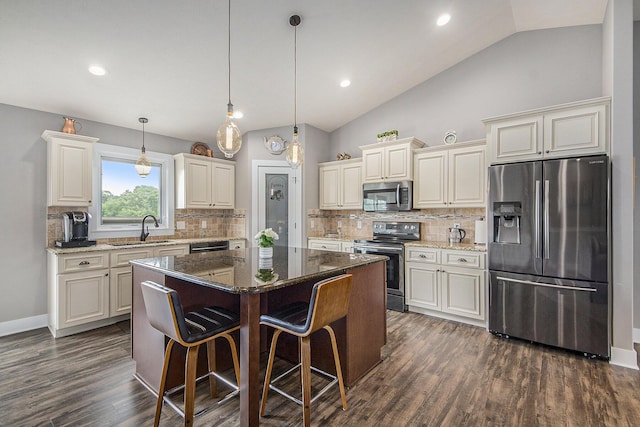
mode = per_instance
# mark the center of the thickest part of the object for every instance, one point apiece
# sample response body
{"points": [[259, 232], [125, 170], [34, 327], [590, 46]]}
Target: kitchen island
{"points": [[241, 281]]}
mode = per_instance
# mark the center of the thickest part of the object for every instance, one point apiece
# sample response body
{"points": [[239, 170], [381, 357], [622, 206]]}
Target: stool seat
{"points": [[329, 302], [203, 326]]}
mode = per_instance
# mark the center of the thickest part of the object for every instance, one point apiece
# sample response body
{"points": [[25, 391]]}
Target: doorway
{"points": [[278, 204]]}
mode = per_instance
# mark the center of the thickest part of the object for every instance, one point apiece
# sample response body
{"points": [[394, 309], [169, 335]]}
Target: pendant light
{"points": [[143, 166], [295, 152], [228, 137]]}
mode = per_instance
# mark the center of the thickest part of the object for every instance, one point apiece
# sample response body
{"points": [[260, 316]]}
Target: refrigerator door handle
{"points": [[546, 219], [546, 285], [537, 249]]}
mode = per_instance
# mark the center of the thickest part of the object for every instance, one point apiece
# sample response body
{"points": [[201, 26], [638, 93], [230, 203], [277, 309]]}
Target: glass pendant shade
{"points": [[295, 152], [229, 138], [143, 166]]}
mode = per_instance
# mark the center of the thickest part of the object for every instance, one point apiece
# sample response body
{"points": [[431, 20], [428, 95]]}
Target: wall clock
{"points": [[275, 144]]}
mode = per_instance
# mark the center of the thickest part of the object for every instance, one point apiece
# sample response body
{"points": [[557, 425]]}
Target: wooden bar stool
{"points": [[329, 302], [190, 330]]}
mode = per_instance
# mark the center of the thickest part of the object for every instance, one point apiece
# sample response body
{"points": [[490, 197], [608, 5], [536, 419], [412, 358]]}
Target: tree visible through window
{"points": [[127, 197]]}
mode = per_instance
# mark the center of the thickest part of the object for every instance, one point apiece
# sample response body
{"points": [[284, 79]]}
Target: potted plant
{"points": [[391, 135], [265, 240]]}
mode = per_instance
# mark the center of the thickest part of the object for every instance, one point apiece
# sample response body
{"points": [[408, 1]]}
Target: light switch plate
{"points": [[204, 224], [180, 225], [359, 224]]}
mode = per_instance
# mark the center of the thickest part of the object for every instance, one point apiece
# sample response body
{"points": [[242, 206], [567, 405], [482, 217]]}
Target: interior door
{"points": [[278, 200]]}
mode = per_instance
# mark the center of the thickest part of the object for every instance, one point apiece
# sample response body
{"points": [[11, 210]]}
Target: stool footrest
{"points": [[167, 394], [333, 378]]}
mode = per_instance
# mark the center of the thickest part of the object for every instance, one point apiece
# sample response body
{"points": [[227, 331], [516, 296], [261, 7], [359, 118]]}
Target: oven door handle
{"points": [[380, 248]]}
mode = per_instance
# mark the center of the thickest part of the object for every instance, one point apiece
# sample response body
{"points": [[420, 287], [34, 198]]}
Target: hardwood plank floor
{"points": [[434, 373]]}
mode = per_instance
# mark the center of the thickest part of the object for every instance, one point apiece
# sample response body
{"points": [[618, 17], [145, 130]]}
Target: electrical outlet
{"points": [[339, 223], [203, 224], [359, 224], [312, 224], [456, 225], [180, 225]]}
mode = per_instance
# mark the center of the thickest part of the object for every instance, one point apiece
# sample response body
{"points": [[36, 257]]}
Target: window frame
{"points": [[114, 230]]}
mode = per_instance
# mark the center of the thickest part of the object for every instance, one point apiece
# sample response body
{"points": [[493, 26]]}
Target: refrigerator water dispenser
{"points": [[506, 222]]}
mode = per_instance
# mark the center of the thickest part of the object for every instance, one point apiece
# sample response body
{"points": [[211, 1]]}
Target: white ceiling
{"points": [[167, 60]]}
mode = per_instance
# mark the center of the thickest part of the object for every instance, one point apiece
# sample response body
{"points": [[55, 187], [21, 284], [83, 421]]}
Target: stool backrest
{"points": [[329, 301], [164, 310]]}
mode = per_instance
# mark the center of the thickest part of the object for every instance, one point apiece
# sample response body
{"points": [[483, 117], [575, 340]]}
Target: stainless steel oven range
{"points": [[388, 239]]}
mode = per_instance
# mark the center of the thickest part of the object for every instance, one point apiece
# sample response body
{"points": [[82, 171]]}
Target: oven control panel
{"points": [[404, 230]]}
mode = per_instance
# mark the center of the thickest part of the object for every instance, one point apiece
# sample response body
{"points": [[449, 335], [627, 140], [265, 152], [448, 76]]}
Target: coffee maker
{"points": [[75, 230]]}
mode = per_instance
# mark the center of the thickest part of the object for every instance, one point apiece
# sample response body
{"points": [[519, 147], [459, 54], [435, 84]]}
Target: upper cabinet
{"points": [[69, 168], [574, 129], [341, 184], [450, 176], [204, 182], [389, 161]]}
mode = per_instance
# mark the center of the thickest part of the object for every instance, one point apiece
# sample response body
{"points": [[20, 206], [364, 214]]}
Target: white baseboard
{"points": [[636, 335], [624, 358], [20, 325]]}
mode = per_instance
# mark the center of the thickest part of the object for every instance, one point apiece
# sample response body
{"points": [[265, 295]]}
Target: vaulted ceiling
{"points": [[167, 60]]}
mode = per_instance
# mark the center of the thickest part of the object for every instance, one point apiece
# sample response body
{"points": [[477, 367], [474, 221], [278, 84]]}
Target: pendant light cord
{"points": [[295, 77], [229, 52]]}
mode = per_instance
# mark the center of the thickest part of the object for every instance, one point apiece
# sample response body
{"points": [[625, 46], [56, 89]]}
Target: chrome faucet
{"points": [[143, 235]]}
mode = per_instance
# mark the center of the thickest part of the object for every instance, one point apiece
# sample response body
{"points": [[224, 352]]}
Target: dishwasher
{"points": [[195, 248]]}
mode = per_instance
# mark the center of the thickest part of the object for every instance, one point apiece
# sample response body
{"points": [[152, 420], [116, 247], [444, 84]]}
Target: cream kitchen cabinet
{"points": [[69, 168], [341, 184], [450, 176], [78, 292], [446, 283], [224, 275], [175, 250], [204, 183], [120, 282], [330, 245], [574, 129], [389, 161]]}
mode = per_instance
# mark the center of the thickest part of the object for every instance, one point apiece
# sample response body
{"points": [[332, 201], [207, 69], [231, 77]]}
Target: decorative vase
{"points": [[265, 252]]}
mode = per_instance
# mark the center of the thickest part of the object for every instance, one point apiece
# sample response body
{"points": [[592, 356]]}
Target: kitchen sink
{"points": [[150, 242]]}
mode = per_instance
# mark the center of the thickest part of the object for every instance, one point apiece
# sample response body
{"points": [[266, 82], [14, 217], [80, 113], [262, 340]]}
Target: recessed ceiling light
{"points": [[345, 83], [97, 70], [238, 114], [443, 19]]}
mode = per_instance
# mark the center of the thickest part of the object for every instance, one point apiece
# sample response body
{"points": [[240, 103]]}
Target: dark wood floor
{"points": [[435, 373]]}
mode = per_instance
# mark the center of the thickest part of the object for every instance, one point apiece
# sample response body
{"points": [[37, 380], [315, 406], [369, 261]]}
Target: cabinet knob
{"points": [[84, 263], [547, 151], [539, 152], [106, 274]]}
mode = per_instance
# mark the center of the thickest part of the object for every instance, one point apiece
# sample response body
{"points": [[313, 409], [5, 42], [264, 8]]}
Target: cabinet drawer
{"points": [[424, 255], [324, 245], [85, 261], [463, 258], [177, 250], [121, 258], [237, 244]]}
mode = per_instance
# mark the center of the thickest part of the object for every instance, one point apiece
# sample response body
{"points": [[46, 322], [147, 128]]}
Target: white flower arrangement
{"points": [[265, 238]]}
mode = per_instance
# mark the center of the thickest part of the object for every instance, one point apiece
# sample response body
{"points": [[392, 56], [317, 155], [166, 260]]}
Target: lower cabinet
{"points": [[87, 290], [224, 275], [237, 244], [331, 245], [446, 283]]}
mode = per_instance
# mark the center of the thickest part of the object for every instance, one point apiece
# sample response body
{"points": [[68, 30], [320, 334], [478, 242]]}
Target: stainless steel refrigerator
{"points": [[549, 252]]}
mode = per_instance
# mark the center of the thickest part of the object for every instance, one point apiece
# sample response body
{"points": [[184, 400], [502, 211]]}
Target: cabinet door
{"points": [[198, 183], [373, 164], [223, 186], [397, 162], [467, 177], [430, 184], [329, 182], [576, 132], [120, 289], [515, 139], [463, 292], [351, 186], [83, 297], [422, 285], [225, 275], [70, 169]]}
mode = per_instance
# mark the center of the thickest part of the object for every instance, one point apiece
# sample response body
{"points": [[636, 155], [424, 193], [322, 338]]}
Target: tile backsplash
{"points": [[435, 223], [219, 223]]}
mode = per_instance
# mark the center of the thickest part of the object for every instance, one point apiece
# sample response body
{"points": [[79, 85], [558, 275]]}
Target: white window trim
{"points": [[98, 231]]}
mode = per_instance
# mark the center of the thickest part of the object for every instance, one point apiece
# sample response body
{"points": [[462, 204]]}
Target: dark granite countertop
{"points": [[252, 274]]}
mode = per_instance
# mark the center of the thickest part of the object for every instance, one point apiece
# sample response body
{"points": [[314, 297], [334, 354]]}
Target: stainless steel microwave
{"points": [[387, 196]]}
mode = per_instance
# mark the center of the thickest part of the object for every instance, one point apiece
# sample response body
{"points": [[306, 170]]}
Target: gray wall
{"points": [[524, 71], [23, 167], [636, 154]]}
